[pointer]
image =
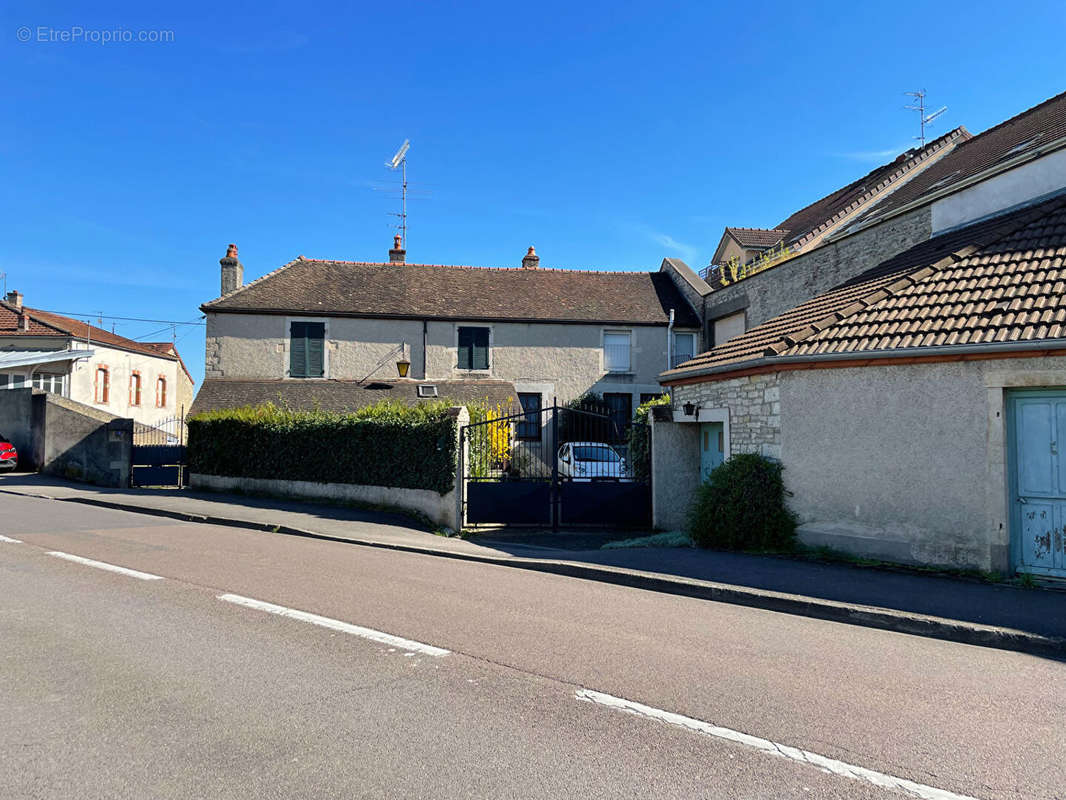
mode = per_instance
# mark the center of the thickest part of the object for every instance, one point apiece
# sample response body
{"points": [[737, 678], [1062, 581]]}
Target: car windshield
{"points": [[601, 452]]}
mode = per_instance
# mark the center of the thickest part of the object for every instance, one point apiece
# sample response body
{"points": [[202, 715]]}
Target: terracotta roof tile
{"points": [[906, 303]]}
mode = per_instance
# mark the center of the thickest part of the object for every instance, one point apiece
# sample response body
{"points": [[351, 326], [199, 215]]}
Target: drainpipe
{"points": [[670, 342], [425, 329]]}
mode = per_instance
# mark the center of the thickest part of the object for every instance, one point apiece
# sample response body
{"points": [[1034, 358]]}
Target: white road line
{"points": [[132, 573], [337, 625], [823, 763], [9, 540]]}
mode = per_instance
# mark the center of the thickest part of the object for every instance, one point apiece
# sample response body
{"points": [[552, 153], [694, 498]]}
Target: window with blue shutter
{"points": [[473, 348], [307, 349]]}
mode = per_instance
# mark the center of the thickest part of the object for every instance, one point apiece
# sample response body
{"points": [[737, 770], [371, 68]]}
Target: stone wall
{"points": [[754, 404], [769, 293]]}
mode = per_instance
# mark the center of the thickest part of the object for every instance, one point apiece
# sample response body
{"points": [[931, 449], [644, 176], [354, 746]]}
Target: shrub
{"points": [[742, 507], [386, 444]]}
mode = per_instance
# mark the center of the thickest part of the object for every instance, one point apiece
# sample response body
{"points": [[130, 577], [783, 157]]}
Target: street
{"points": [[249, 664]]}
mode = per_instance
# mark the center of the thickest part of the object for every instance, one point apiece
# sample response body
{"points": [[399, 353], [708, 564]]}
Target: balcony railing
{"points": [[732, 271]]}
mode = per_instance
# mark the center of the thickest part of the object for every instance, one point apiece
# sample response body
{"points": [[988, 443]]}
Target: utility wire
{"points": [[125, 319]]}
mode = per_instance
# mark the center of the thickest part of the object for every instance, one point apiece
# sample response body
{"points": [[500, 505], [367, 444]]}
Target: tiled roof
{"points": [[1001, 280], [436, 291], [45, 323], [168, 348], [328, 395], [822, 214], [756, 237], [1019, 135]]}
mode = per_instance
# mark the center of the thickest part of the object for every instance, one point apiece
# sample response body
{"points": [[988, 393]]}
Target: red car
{"points": [[8, 455]]}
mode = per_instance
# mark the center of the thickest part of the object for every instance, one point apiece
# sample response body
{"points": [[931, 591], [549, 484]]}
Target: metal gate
{"points": [[556, 467], [158, 457]]}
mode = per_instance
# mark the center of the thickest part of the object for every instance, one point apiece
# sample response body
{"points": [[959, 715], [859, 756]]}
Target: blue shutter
{"points": [[316, 335], [298, 350], [480, 357], [466, 346]]}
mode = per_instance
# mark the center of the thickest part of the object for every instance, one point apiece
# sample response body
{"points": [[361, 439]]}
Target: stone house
{"points": [[144, 381], [330, 333], [914, 403]]}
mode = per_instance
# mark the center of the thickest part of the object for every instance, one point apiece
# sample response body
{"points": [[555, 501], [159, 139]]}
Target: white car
{"points": [[588, 461]]}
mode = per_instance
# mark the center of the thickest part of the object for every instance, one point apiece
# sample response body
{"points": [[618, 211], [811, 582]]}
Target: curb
{"points": [[831, 610]]}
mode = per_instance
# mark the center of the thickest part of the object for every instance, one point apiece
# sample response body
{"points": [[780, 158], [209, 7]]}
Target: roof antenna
{"points": [[400, 160], [919, 97]]}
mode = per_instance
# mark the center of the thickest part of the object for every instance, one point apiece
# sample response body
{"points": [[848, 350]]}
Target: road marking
{"points": [[9, 540], [823, 763], [337, 625], [132, 573]]}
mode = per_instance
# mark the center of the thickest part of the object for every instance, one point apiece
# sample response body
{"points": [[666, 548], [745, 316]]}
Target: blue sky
{"points": [[608, 135]]}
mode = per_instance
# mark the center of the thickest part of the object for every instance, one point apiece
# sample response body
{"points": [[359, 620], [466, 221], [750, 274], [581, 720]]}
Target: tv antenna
{"points": [[400, 160], [919, 106]]}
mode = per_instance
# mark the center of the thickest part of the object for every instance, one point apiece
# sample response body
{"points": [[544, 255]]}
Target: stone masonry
{"points": [[754, 403]]}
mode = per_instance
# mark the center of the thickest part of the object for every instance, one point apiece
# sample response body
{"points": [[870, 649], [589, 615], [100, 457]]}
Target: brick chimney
{"points": [[15, 298], [531, 260], [232, 271], [397, 255]]}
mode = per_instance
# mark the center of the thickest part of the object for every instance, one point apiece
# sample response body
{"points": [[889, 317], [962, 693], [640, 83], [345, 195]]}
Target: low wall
{"points": [[675, 470], [441, 509], [16, 423], [81, 443]]}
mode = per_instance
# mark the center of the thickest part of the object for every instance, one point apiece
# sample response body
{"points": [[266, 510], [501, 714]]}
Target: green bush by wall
{"points": [[742, 507], [388, 444]]}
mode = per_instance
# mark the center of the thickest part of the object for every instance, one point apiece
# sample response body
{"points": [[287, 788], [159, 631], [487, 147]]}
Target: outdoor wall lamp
{"points": [[689, 409], [403, 365]]}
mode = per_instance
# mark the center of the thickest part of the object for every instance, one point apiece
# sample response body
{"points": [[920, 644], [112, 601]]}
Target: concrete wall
{"points": [[81, 443], [439, 508], [562, 360], [675, 471], [16, 423], [901, 462], [769, 293], [1022, 184]]}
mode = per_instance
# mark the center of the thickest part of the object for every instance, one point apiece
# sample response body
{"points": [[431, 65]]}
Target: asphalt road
{"points": [[112, 686]]}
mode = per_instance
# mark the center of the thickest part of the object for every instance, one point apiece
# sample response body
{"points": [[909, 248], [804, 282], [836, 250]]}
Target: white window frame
{"points": [[286, 337], [455, 348], [603, 350]]}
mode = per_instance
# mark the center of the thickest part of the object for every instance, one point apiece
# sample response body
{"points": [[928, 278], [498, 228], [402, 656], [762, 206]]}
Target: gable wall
{"points": [[775, 291]]}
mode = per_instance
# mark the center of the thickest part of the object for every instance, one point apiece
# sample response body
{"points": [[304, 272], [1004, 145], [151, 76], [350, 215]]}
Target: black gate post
{"points": [[555, 466], [461, 468]]}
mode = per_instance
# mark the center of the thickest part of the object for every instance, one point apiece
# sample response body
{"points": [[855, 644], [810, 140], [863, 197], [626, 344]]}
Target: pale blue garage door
{"points": [[1038, 482]]}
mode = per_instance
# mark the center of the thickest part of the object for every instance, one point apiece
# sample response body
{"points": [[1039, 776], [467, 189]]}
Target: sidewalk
{"points": [[1028, 620]]}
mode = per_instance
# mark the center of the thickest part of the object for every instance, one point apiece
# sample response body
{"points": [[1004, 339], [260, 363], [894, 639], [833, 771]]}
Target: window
{"points": [[135, 389], [529, 427], [473, 348], [102, 385], [161, 392], [616, 351], [620, 410], [6, 382], [47, 382], [725, 328], [684, 348], [307, 349]]}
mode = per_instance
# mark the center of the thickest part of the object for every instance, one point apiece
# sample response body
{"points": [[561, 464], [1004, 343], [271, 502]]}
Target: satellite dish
{"points": [[398, 158]]}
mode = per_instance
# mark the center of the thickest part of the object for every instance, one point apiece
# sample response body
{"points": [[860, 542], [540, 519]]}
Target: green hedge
{"points": [[388, 444]]}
